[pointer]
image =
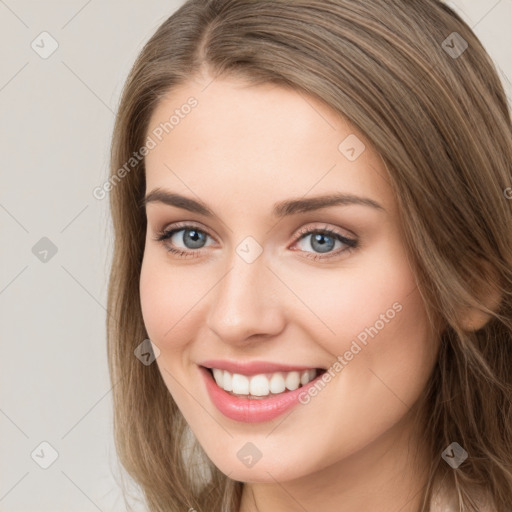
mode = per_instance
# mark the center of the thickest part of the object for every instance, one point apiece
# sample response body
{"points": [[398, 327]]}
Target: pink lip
{"points": [[252, 410], [252, 368]]}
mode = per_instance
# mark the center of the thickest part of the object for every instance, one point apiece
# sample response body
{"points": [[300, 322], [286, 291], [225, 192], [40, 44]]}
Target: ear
{"points": [[488, 293]]}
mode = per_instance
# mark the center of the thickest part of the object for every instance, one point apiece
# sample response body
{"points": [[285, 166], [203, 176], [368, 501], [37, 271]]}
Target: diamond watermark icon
{"points": [[44, 250], [454, 455], [351, 147], [249, 249], [249, 454], [146, 352], [454, 45], [44, 45], [44, 455]]}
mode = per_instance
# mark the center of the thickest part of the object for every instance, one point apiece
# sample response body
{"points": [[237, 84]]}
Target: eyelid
{"points": [[308, 229], [178, 226]]}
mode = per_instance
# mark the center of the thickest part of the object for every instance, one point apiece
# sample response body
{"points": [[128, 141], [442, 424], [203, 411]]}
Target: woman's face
{"points": [[264, 294]]}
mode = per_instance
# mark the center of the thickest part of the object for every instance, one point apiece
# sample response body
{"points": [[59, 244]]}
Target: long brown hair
{"points": [[416, 81]]}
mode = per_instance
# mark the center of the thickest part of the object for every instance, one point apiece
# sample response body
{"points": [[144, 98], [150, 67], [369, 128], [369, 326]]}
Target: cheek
{"points": [[165, 300], [362, 301], [154, 302], [378, 326], [384, 343]]}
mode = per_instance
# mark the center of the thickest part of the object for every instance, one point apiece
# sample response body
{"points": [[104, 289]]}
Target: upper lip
{"points": [[252, 367]]}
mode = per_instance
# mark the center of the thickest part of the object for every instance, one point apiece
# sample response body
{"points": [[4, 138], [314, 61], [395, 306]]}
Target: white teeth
{"points": [[218, 375], [262, 384], [240, 384], [277, 384], [292, 380], [259, 385], [228, 379]]}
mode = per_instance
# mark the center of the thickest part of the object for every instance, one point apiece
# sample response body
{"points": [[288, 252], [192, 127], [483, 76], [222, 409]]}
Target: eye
{"points": [[193, 239], [323, 240]]}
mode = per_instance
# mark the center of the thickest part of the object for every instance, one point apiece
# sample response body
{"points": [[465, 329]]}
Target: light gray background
{"points": [[56, 118]]}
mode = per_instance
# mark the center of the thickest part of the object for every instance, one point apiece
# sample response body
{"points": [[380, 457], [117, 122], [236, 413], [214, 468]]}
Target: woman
{"points": [[312, 228]]}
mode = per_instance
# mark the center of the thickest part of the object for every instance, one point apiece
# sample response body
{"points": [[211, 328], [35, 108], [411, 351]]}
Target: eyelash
{"points": [[351, 244]]}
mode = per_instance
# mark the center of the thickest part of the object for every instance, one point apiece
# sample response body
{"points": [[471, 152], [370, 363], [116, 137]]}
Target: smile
{"points": [[253, 397], [262, 385]]}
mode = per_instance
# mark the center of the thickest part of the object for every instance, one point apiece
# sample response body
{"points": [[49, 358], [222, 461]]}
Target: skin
{"points": [[242, 149]]}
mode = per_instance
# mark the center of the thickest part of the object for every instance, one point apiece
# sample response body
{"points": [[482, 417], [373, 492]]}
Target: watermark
{"points": [[44, 455], [249, 454], [249, 249], [352, 147], [454, 455], [44, 250], [454, 45], [151, 143], [44, 45], [147, 352], [355, 348]]}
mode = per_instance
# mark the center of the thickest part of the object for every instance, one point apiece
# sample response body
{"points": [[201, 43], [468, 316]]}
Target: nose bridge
{"points": [[243, 303]]}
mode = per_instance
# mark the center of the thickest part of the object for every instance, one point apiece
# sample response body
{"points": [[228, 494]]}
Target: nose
{"points": [[246, 306]]}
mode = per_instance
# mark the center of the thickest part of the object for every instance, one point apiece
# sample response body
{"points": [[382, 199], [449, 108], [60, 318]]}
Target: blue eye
{"points": [[319, 240], [323, 240], [193, 239]]}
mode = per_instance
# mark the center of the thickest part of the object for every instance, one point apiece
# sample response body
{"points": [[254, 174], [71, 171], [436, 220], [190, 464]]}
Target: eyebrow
{"points": [[280, 209]]}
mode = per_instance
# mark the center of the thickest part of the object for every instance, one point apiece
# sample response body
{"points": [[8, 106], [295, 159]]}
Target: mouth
{"points": [[263, 385], [245, 394]]}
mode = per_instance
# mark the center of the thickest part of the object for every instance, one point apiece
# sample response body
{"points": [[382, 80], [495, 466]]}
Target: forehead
{"points": [[260, 142]]}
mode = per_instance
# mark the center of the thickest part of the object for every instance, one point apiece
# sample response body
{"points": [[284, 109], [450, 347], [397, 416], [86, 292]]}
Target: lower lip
{"points": [[252, 410]]}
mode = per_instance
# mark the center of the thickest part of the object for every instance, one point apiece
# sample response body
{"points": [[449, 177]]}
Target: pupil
{"points": [[194, 237]]}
